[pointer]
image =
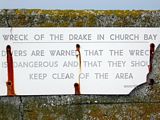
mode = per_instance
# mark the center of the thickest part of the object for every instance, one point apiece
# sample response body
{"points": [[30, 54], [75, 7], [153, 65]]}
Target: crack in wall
{"points": [[7, 18], [21, 108]]}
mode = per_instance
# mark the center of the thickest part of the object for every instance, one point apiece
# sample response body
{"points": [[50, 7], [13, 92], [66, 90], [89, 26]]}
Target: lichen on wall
{"points": [[79, 18]]}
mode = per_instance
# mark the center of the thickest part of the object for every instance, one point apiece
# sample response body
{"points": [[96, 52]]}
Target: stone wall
{"points": [[79, 18], [143, 103]]}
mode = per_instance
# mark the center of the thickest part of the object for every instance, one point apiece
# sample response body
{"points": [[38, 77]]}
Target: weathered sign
{"points": [[46, 61]]}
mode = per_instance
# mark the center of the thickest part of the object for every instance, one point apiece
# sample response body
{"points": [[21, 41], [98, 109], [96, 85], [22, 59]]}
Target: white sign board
{"points": [[47, 62]]}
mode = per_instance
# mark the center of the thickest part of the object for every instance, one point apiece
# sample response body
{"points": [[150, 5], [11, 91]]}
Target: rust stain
{"points": [[79, 55], [77, 85], [10, 82]]}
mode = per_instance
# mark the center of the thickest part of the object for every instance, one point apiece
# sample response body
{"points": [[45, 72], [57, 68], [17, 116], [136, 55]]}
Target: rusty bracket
{"points": [[152, 50], [77, 89], [10, 82]]}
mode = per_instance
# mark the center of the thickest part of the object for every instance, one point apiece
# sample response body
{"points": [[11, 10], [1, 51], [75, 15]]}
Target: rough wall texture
{"points": [[79, 18], [141, 104]]}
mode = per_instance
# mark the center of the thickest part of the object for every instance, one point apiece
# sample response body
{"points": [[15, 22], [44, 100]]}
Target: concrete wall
{"points": [[143, 103]]}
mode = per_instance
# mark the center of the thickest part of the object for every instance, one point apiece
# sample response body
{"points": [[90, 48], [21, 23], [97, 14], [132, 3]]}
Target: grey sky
{"points": [[81, 4]]}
